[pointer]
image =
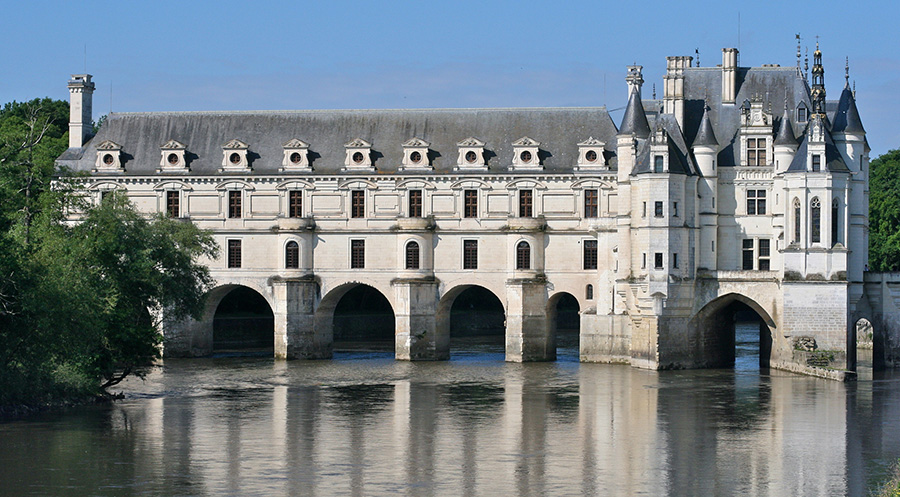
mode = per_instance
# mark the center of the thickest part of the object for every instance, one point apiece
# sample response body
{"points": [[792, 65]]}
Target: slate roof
{"points": [[785, 134], [204, 133], [680, 159], [635, 119], [834, 162], [846, 116], [705, 134]]}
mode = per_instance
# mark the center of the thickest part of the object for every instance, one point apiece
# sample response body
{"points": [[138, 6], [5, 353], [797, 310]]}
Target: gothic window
{"points": [[797, 222], [763, 260], [816, 163], [357, 203], [589, 292], [234, 253], [357, 254], [590, 254], [591, 203], [412, 255], [172, 207], [470, 205], [415, 203], [295, 203], [658, 209], [523, 255], [292, 255], [835, 233], [815, 220], [756, 151], [658, 164], [747, 255], [526, 203], [756, 202], [658, 260], [234, 204], [470, 254]]}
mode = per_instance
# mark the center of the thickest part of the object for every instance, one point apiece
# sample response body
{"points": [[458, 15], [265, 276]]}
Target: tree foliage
{"points": [[884, 212], [80, 302]]}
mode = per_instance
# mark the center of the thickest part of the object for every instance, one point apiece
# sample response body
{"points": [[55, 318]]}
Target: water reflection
{"points": [[367, 425]]}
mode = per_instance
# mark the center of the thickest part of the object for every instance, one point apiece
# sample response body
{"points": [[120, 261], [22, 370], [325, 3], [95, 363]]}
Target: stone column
{"points": [[528, 335], [295, 333], [416, 337]]}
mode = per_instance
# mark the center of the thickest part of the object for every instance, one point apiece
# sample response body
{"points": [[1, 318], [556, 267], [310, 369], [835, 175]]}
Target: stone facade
{"points": [[743, 189]]}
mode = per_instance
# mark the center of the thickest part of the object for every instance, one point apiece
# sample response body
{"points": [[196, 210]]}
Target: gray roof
{"points": [[204, 134], [786, 131], [834, 162], [705, 134], [846, 116], [635, 119], [680, 159]]}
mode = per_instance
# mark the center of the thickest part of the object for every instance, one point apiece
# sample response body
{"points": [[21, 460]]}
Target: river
{"points": [[364, 424]]}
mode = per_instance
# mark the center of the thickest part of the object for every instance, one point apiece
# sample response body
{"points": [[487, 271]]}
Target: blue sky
{"points": [[228, 55]]}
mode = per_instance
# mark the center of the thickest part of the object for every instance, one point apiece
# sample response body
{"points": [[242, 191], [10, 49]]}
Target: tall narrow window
{"points": [[797, 223], [292, 255], [525, 203], [658, 209], [412, 255], [470, 203], [591, 203], [357, 203], [644, 210], [815, 221], [470, 254], [756, 151], [172, 207], [763, 260], [357, 254], [234, 253], [234, 204], [590, 254], [295, 203], [415, 203], [816, 163], [643, 260], [835, 216], [747, 253], [658, 164], [756, 202], [674, 209], [658, 260], [523, 255], [589, 292], [674, 259]]}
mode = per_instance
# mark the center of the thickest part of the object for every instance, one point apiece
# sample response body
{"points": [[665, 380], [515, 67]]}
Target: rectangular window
{"points": [[470, 203], [756, 151], [643, 260], [816, 163], [675, 209], [801, 114], [357, 254], [470, 254], [747, 259], [674, 259], [295, 203], [591, 203], [658, 164], [763, 254], [658, 209], [590, 254], [358, 203], [756, 202], [234, 253], [234, 204], [644, 210], [172, 207], [658, 260], [526, 202], [415, 203]]}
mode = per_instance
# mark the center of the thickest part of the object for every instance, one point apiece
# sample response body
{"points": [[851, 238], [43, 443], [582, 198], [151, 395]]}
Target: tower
{"points": [[81, 92]]}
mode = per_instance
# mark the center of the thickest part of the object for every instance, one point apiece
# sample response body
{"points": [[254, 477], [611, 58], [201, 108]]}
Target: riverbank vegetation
{"points": [[884, 212], [79, 302]]}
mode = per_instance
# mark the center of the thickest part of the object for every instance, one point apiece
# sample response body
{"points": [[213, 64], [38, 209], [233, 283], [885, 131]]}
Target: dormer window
{"points": [[816, 163], [802, 113], [658, 163], [173, 157], [756, 152], [415, 154], [296, 156], [471, 155], [359, 156], [590, 154], [235, 156], [109, 157], [525, 154]]}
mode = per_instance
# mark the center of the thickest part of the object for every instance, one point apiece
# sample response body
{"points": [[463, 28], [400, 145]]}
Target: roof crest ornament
{"points": [[847, 72]]}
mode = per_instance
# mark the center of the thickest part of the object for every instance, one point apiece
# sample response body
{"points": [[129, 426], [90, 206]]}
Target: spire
{"points": [[705, 135], [635, 120], [818, 84], [847, 72], [786, 131]]}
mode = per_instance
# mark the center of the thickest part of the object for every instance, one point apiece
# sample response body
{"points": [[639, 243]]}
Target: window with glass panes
{"points": [[234, 204], [815, 221], [470, 254], [292, 255], [415, 203], [590, 254], [756, 202], [747, 254], [295, 203], [234, 253], [523, 255], [591, 203], [357, 203], [526, 202], [470, 203], [357, 254], [763, 260], [756, 152], [412, 255], [173, 209]]}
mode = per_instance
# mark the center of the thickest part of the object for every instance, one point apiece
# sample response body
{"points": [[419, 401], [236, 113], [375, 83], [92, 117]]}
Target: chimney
{"points": [[81, 91], [673, 94], [634, 79], [729, 75]]}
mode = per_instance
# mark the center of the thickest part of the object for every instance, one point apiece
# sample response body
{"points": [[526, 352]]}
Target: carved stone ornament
{"points": [[471, 155], [590, 155], [415, 155], [234, 156], [296, 156], [109, 157], [359, 155], [172, 157], [525, 154]]}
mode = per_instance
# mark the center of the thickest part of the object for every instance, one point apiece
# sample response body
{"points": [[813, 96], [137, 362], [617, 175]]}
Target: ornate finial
{"points": [[847, 71], [799, 53], [854, 88], [654, 91], [806, 64], [697, 53]]}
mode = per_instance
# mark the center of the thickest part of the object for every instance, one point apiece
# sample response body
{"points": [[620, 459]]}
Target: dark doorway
{"points": [[364, 319], [737, 337], [565, 322], [244, 324], [477, 322]]}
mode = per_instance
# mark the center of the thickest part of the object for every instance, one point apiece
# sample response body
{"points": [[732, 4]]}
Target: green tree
{"points": [[884, 212]]}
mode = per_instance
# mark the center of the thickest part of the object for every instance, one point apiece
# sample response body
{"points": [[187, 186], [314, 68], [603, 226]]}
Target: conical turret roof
{"points": [[705, 135], [786, 131], [635, 119], [846, 118]]}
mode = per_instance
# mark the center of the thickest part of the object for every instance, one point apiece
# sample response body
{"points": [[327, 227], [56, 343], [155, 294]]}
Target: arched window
{"points": [[589, 292], [835, 216], [412, 255], [797, 223], [815, 221], [292, 255], [523, 255]]}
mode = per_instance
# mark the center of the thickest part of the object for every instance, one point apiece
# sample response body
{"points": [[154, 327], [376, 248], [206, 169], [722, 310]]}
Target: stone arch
{"points": [[448, 320], [564, 318], [715, 324], [329, 316], [208, 337]]}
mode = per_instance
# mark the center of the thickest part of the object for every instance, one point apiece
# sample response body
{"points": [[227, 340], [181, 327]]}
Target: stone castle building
{"points": [[743, 190]]}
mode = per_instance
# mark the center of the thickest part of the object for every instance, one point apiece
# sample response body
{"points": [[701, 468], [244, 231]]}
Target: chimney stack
{"points": [[673, 94], [729, 75], [634, 79], [81, 91]]}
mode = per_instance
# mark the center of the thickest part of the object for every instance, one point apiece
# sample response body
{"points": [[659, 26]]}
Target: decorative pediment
{"points": [[235, 144], [234, 156], [592, 142], [173, 145], [471, 155], [525, 154], [295, 143], [296, 156], [526, 142], [471, 142], [172, 157], [416, 143], [358, 143], [415, 155], [359, 156], [109, 157], [109, 145]]}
